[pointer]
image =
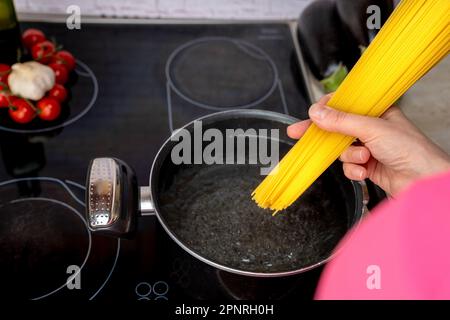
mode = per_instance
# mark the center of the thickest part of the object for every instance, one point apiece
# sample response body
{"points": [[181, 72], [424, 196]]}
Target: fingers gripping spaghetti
{"points": [[414, 38]]}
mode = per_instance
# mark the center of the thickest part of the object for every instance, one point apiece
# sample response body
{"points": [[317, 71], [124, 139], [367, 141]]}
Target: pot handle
{"points": [[146, 206], [113, 199]]}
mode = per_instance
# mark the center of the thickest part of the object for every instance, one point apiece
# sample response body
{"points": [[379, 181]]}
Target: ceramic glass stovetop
{"points": [[134, 84]]}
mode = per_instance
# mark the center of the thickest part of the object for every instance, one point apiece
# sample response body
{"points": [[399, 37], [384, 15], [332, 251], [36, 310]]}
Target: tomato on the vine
{"points": [[31, 37], [43, 51], [61, 73], [12, 99], [5, 70], [65, 58], [4, 102], [21, 111], [61, 62], [48, 109], [4, 79], [4, 96], [58, 92]]}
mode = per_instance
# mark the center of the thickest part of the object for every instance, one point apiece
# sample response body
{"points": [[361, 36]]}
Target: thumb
{"points": [[362, 127]]}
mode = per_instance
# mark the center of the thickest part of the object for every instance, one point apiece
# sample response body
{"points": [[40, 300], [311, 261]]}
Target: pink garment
{"points": [[401, 251]]}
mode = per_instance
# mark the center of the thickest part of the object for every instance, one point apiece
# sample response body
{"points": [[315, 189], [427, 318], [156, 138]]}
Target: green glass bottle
{"points": [[10, 42]]}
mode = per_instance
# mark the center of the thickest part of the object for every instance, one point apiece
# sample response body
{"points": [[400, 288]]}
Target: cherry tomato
{"points": [[12, 99], [61, 73], [43, 51], [4, 102], [48, 109], [4, 79], [64, 57], [4, 96], [21, 111], [58, 92], [5, 70], [31, 37]]}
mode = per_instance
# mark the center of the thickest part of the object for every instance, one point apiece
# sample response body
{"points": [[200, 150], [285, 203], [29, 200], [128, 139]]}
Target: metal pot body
{"points": [[201, 267]]}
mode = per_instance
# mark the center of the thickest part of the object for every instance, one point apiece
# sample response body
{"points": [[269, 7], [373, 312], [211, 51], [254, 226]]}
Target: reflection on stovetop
{"points": [[134, 85]]}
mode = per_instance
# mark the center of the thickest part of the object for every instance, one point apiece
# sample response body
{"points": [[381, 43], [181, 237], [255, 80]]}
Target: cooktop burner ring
{"points": [[65, 185], [80, 216], [244, 46], [50, 179], [87, 73]]}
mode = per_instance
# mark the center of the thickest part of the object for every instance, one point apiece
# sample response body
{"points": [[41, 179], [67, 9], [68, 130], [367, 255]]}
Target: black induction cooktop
{"points": [[134, 84]]}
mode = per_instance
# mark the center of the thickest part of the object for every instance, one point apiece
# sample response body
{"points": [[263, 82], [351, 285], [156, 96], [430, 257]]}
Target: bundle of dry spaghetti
{"points": [[414, 38]]}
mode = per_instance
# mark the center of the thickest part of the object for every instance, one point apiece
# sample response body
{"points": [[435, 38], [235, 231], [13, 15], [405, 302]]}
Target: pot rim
{"points": [[263, 114]]}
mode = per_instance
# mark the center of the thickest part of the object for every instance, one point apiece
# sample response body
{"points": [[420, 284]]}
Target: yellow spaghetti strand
{"points": [[414, 39]]}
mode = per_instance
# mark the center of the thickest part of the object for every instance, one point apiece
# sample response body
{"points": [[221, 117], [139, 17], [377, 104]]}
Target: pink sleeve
{"points": [[401, 251]]}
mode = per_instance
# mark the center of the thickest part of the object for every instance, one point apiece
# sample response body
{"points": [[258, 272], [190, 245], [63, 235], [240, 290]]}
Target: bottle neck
{"points": [[10, 40], [8, 18]]}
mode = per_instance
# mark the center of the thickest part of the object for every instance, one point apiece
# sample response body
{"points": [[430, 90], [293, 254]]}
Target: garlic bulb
{"points": [[31, 80]]}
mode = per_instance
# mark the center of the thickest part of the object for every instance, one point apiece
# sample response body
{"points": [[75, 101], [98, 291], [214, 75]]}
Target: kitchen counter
{"points": [[427, 104]]}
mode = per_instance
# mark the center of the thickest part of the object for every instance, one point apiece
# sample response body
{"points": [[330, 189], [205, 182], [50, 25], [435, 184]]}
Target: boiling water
{"points": [[209, 208]]}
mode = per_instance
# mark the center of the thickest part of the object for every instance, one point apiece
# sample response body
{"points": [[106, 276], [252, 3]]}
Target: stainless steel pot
{"points": [[114, 199]]}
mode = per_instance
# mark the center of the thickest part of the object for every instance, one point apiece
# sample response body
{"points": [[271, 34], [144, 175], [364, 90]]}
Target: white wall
{"points": [[212, 9]]}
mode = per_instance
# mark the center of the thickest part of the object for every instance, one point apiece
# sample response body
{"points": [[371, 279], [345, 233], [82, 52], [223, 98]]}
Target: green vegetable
{"points": [[331, 83]]}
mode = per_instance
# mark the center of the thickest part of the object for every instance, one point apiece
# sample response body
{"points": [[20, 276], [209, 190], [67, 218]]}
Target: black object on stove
{"points": [[134, 84]]}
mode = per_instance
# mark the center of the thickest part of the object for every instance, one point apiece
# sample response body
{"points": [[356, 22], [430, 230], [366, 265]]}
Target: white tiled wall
{"points": [[212, 9]]}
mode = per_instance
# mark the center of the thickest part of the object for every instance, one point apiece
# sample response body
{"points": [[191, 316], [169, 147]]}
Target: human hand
{"points": [[391, 151]]}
